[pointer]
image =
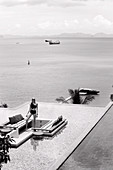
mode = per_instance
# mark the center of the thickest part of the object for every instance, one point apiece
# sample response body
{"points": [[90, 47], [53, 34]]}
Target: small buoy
{"points": [[28, 62]]}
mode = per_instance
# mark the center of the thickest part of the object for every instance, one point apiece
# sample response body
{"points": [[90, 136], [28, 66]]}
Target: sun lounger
{"points": [[17, 121]]}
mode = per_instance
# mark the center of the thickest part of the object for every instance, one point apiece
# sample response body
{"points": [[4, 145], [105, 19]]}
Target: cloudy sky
{"points": [[40, 17]]}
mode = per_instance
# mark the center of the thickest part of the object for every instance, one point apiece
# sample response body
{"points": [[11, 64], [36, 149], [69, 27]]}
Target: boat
{"points": [[47, 40], [51, 42], [88, 91]]}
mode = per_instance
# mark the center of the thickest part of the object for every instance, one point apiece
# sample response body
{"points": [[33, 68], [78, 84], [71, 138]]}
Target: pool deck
{"points": [[81, 120]]}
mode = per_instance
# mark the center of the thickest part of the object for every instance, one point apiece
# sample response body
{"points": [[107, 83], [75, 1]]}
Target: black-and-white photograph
{"points": [[56, 84]]}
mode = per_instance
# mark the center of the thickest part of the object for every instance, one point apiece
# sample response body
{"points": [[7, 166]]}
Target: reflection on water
{"points": [[35, 140], [34, 143]]}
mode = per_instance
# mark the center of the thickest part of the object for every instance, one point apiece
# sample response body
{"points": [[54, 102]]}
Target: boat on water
{"points": [[52, 42], [88, 91], [47, 40]]}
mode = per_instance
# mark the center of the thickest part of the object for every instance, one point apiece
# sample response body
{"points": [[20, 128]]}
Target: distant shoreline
{"points": [[64, 35]]}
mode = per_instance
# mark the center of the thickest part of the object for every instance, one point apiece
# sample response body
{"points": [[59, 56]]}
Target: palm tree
{"points": [[76, 97]]}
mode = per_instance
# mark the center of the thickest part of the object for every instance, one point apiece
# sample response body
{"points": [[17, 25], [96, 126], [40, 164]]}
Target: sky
{"points": [[51, 17]]}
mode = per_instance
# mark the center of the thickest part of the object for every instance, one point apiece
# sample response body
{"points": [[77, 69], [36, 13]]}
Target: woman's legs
{"points": [[34, 120]]}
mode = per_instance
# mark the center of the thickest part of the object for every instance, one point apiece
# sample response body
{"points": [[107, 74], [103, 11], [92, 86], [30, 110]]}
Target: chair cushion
{"points": [[15, 119]]}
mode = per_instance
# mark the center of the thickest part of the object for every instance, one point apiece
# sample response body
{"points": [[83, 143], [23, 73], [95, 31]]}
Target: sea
{"points": [[53, 69]]}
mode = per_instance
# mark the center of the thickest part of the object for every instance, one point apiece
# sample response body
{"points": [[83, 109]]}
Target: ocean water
{"points": [[53, 69]]}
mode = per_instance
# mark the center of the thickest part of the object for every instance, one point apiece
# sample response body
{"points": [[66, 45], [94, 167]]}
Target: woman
{"points": [[33, 111]]}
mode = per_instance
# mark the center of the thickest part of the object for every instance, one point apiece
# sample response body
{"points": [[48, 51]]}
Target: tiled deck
{"points": [[51, 152]]}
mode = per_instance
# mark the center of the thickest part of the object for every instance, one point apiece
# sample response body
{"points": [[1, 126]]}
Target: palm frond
{"points": [[88, 99], [71, 92], [61, 99], [81, 100]]}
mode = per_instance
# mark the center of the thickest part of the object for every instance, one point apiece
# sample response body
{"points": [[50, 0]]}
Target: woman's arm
{"points": [[28, 112]]}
